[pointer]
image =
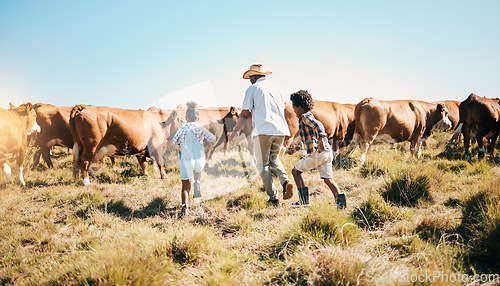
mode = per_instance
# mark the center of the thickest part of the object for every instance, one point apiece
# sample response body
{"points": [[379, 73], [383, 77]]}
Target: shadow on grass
{"points": [[157, 207]]}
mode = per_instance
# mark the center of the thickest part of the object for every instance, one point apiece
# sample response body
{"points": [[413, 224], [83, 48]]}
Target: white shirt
{"points": [[266, 103]]}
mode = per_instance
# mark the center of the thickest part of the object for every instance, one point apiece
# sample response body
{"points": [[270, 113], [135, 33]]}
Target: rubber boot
{"points": [[341, 201], [303, 198]]}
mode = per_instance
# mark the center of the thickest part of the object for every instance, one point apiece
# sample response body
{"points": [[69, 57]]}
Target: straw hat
{"points": [[255, 70]]}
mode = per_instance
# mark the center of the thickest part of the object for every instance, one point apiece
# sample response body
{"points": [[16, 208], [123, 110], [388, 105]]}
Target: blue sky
{"points": [[132, 54]]}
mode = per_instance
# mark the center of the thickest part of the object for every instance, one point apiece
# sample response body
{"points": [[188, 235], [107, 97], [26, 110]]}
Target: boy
{"points": [[192, 160], [315, 144]]}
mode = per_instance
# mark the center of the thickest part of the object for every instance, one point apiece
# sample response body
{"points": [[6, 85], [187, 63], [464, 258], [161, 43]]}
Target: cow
{"points": [[105, 131], [453, 115], [54, 131], [15, 125], [337, 118], [479, 116], [396, 121], [229, 121]]}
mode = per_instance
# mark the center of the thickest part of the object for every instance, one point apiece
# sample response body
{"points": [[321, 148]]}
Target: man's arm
{"points": [[244, 115]]}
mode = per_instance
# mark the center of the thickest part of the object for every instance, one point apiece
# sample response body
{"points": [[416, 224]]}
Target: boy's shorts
{"points": [[322, 161], [187, 167]]}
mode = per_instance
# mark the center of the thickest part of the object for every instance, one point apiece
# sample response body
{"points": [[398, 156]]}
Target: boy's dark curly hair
{"points": [[303, 99]]}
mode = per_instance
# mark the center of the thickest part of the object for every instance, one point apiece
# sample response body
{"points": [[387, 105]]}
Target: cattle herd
{"points": [[93, 132]]}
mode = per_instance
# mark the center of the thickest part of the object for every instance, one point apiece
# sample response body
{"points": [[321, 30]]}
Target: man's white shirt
{"points": [[266, 103]]}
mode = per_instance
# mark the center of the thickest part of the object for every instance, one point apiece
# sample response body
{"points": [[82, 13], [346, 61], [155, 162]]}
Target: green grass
{"points": [[438, 213], [407, 189]]}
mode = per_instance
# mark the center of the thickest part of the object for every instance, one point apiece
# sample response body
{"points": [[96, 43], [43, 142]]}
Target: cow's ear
{"points": [[12, 105], [440, 107], [233, 110]]}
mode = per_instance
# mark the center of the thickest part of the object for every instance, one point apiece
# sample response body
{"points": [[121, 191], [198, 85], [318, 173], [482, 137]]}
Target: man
{"points": [[264, 102]]}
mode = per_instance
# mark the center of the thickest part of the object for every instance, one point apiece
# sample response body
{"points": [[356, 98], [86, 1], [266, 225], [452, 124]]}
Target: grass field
{"points": [[437, 215]]}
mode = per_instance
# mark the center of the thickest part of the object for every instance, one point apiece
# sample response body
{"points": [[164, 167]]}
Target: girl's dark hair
{"points": [[192, 112], [303, 99]]}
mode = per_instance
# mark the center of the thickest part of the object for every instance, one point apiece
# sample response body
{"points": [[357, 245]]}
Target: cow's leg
{"points": [[7, 172], [416, 147], [466, 134], [36, 159], [113, 161], [85, 170], [45, 152], [20, 176], [493, 142], [480, 144], [143, 163], [76, 160], [364, 146], [158, 158], [352, 145], [20, 161], [86, 158]]}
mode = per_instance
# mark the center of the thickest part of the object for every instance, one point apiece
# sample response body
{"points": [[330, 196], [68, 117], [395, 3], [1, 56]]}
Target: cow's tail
{"points": [[77, 146], [457, 133], [357, 125]]}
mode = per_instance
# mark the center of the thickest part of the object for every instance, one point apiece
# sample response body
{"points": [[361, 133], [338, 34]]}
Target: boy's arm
{"points": [[319, 129]]}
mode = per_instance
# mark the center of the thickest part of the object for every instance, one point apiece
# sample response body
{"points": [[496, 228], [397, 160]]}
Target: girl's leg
{"points": [[332, 185], [186, 188], [197, 184]]}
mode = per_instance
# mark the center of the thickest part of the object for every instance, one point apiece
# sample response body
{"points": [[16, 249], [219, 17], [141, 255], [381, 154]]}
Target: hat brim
{"points": [[249, 73]]}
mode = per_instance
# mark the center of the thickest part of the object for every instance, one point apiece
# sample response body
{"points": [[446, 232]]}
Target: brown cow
{"points": [[481, 116], [453, 115], [54, 130], [396, 121], [230, 121], [337, 118], [106, 131], [15, 124]]}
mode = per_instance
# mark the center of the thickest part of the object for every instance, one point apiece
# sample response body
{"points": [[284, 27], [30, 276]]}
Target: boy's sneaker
{"points": [[341, 201]]}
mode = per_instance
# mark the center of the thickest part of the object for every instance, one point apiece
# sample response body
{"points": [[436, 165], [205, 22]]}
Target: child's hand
{"points": [[321, 146], [291, 150]]}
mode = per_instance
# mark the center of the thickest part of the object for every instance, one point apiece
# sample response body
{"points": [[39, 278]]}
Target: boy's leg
{"points": [[297, 176], [197, 185], [332, 185], [326, 173]]}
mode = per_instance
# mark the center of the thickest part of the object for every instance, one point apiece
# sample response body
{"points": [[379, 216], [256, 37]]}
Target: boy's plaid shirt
{"points": [[310, 130]]}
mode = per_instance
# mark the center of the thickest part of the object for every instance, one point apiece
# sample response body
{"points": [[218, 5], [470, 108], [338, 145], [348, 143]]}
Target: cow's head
{"points": [[438, 116], [172, 124], [27, 111], [230, 119]]}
